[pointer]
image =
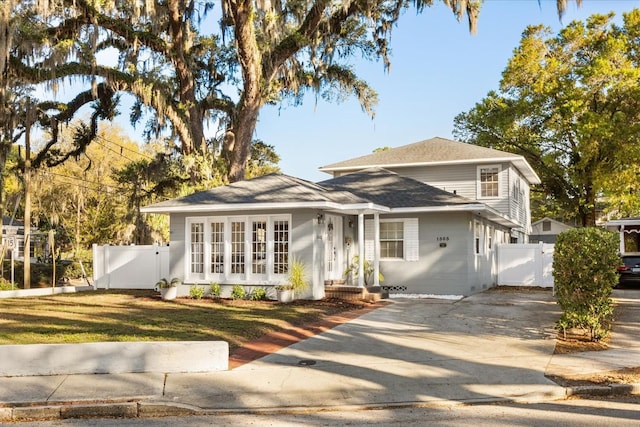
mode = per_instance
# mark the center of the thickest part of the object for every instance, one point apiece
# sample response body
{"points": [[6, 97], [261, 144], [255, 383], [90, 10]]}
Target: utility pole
{"points": [[27, 199]]}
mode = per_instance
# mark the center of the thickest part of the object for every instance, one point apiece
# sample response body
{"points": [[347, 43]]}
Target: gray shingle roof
{"points": [[430, 152], [434, 150], [372, 186], [268, 189], [386, 188]]}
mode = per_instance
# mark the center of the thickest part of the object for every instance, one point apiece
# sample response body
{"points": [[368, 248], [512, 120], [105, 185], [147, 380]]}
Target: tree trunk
{"points": [[588, 210], [186, 84], [246, 117]]}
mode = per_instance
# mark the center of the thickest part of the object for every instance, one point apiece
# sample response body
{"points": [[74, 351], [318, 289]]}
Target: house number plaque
{"points": [[443, 239]]}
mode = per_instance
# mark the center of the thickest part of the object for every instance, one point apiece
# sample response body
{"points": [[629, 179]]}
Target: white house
{"points": [[629, 231], [427, 215]]}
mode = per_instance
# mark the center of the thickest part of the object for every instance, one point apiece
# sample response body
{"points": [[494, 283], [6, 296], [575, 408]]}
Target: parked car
{"points": [[629, 271]]}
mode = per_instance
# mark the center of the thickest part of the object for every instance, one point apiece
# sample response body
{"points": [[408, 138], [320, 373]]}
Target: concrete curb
{"points": [[114, 358], [604, 390], [158, 408]]}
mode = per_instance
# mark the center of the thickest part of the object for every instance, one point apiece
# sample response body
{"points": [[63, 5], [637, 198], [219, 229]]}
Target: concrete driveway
{"points": [[487, 347]]}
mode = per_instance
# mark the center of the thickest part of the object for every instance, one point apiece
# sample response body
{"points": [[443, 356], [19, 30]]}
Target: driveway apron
{"points": [[492, 345]]}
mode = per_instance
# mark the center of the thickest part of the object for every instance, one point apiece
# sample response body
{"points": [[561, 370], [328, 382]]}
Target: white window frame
{"points": [[246, 242], [517, 192], [209, 255], [226, 276], [479, 181], [188, 223], [411, 239], [478, 238], [403, 239]]}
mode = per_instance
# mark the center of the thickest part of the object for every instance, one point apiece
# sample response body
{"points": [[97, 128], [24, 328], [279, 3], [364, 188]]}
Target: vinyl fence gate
{"points": [[528, 264], [129, 267]]}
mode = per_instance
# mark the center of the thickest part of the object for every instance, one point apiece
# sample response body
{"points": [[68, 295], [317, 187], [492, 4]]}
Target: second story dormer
{"points": [[496, 178]]}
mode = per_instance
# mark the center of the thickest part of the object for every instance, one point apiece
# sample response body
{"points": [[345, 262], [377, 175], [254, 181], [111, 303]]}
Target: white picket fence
{"points": [[525, 264], [129, 267]]}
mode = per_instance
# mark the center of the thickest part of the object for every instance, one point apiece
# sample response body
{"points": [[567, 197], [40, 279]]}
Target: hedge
{"points": [[584, 270]]}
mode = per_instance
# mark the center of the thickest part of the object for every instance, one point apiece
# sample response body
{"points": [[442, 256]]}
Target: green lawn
{"points": [[143, 316]]}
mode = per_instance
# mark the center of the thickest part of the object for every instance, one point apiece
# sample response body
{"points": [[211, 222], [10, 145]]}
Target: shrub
{"points": [[214, 290], [258, 294], [74, 270], [5, 285], [41, 273], [196, 292], [584, 271], [238, 292]]}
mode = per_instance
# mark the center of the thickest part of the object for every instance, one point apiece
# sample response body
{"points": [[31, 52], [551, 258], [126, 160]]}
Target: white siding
{"points": [[463, 180], [460, 179]]}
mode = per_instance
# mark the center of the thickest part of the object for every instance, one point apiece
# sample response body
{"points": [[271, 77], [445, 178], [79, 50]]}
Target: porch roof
{"points": [[623, 221]]}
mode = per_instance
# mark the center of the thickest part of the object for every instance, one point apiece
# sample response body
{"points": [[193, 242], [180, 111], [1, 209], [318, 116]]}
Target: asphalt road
{"points": [[623, 411]]}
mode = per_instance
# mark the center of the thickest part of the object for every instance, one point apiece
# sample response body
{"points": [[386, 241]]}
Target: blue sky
{"points": [[438, 71]]}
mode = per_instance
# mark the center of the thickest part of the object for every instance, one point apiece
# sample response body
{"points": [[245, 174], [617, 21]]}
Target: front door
{"points": [[334, 265]]}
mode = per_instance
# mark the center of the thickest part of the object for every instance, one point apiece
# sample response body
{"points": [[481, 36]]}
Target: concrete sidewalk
{"points": [[490, 347], [624, 343]]}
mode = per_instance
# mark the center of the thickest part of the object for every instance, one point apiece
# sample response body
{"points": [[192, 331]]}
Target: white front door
{"points": [[334, 265]]}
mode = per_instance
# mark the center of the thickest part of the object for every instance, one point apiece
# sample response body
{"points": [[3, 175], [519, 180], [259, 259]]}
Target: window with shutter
{"points": [[399, 239]]}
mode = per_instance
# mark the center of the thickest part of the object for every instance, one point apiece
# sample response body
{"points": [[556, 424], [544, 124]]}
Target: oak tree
{"points": [[570, 104]]}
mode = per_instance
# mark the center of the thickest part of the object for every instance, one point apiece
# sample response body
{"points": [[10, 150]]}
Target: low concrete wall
{"points": [[113, 357], [41, 292]]}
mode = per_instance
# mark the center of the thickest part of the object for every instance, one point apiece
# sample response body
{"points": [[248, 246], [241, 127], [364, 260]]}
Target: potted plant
{"points": [[168, 289], [296, 282], [354, 270]]}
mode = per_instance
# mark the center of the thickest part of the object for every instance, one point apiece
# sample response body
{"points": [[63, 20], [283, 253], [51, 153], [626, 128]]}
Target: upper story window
{"points": [[488, 181], [517, 191], [546, 225]]}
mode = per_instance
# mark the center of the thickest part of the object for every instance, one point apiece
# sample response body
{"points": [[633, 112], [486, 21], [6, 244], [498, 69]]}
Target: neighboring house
{"points": [[629, 232], [425, 239], [546, 230], [13, 236]]}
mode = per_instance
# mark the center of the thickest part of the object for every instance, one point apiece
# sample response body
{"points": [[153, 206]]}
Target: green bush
{"points": [[584, 272], [214, 290], [74, 270], [238, 292], [258, 294], [196, 292], [5, 285], [41, 273]]}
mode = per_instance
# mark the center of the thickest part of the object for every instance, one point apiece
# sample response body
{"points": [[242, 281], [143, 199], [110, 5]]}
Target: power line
{"points": [[122, 147], [97, 184]]}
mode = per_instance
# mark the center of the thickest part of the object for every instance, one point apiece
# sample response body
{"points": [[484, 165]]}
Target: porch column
{"points": [[361, 250], [376, 249], [622, 239]]}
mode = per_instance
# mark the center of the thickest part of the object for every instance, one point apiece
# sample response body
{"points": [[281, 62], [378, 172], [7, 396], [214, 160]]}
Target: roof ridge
{"points": [[399, 155]]}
